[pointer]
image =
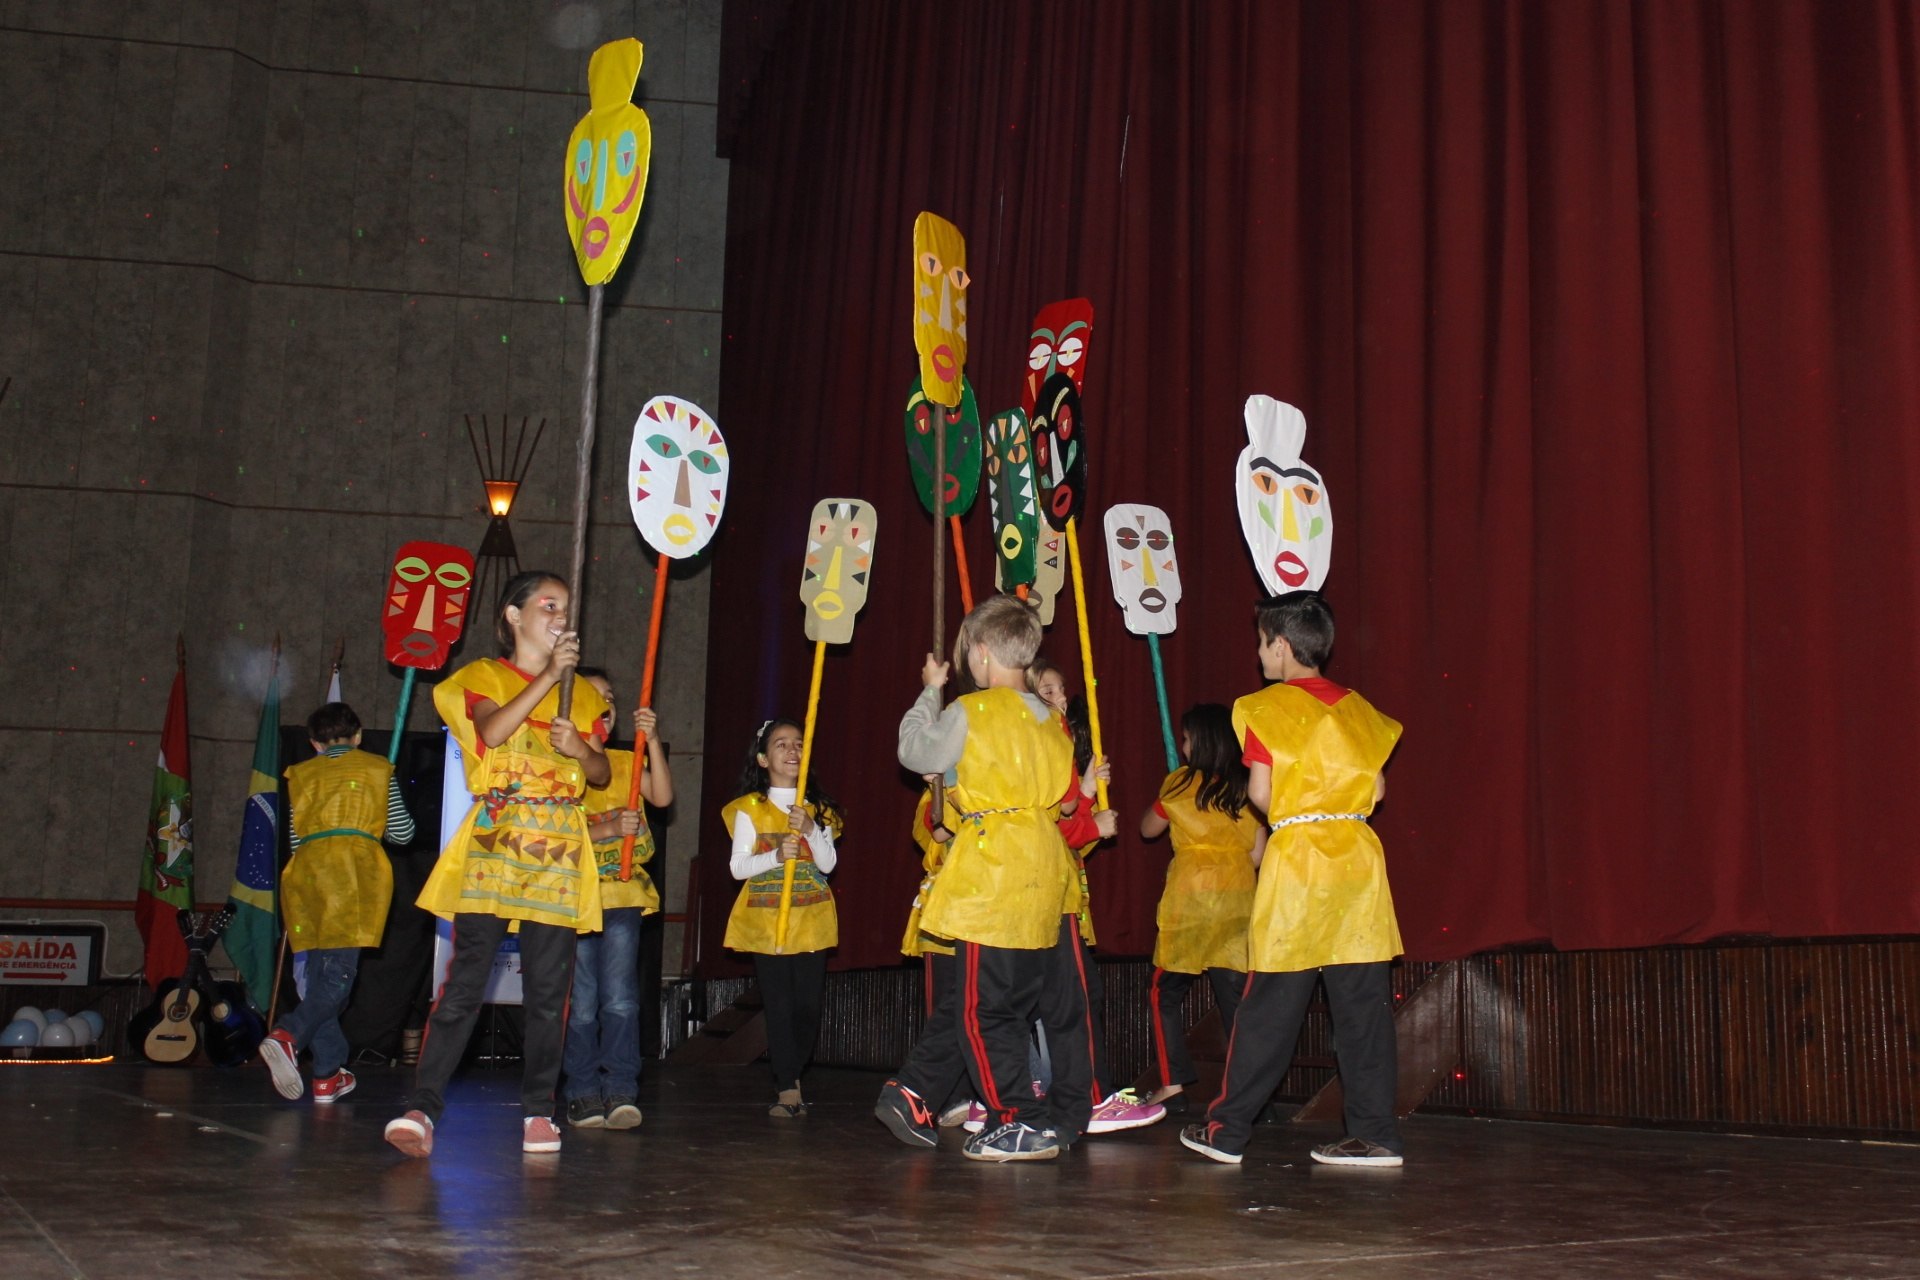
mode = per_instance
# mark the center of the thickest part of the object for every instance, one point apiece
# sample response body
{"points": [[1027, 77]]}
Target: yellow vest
{"points": [[1007, 876], [615, 892], [1322, 896], [1209, 895], [336, 890], [523, 852], [812, 923], [932, 854]]}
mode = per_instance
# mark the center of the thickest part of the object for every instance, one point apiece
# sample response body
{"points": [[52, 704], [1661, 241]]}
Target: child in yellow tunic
{"points": [[522, 859], [602, 1061], [334, 893], [1321, 911], [770, 828], [1209, 894], [1000, 893]]}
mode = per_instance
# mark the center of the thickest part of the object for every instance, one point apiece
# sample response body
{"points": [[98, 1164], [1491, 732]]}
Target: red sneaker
{"points": [[282, 1060], [334, 1087], [539, 1134], [412, 1134]]}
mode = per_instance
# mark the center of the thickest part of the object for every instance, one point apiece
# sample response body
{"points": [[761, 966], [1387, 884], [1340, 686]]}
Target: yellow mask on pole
{"points": [[940, 307], [607, 160]]}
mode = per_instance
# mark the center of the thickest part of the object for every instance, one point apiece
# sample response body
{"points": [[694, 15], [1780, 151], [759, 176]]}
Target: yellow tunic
{"points": [[1209, 895], [932, 854], [523, 852], [812, 922], [1007, 877], [615, 892], [336, 891], [1322, 897]]}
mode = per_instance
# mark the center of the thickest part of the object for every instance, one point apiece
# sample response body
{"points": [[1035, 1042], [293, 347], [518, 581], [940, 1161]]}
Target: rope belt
{"points": [[338, 831], [975, 815], [1295, 819]]}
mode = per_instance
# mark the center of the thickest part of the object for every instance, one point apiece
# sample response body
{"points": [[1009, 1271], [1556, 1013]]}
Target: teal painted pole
{"points": [[406, 696], [1160, 692]]}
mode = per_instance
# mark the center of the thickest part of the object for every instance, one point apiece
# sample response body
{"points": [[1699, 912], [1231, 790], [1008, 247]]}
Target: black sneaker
{"points": [[1199, 1137], [1358, 1151], [622, 1113], [586, 1113], [1012, 1141], [907, 1115]]}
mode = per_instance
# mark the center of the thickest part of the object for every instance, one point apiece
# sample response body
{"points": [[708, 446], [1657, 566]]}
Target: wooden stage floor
{"points": [[134, 1171]]}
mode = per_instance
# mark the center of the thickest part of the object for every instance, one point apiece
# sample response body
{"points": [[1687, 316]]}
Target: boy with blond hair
{"points": [[1000, 893]]}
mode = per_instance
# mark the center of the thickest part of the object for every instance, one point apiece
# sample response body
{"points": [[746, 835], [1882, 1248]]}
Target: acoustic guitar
{"points": [[170, 1030]]}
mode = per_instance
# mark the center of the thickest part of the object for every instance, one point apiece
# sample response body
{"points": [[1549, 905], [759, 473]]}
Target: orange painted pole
{"points": [[960, 564], [646, 700]]}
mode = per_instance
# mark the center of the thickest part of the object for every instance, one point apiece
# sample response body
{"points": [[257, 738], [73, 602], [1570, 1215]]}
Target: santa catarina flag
{"points": [[255, 930], [166, 870]]}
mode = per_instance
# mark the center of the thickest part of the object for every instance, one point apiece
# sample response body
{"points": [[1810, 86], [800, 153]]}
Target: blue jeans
{"points": [[315, 1022], [603, 1024]]}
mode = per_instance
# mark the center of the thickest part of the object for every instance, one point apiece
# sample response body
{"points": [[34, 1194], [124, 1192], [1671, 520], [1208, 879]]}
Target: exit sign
{"points": [[50, 955]]}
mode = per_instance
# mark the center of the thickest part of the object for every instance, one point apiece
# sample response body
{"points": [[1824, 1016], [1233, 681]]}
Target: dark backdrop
{"points": [[1604, 320]]}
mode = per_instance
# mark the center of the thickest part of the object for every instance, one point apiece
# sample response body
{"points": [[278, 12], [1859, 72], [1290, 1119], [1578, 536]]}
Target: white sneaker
{"points": [[1357, 1151]]}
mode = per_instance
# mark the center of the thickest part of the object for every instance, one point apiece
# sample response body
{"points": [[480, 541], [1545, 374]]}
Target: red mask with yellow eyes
{"points": [[1284, 512], [426, 603], [1062, 332]]}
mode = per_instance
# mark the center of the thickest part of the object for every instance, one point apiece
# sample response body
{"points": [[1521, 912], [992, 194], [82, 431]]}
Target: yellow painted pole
{"points": [[806, 763], [1086, 645]]}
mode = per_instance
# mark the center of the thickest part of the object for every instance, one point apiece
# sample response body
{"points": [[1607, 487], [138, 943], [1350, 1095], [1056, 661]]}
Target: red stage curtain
{"points": [[1604, 319]]}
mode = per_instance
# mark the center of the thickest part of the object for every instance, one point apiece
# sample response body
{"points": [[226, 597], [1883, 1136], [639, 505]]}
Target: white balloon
{"points": [[58, 1035], [28, 1013]]}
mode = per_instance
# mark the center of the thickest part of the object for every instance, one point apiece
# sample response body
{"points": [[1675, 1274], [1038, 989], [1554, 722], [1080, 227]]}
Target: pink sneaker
{"points": [[976, 1118], [411, 1134], [539, 1134], [1124, 1110], [334, 1087]]}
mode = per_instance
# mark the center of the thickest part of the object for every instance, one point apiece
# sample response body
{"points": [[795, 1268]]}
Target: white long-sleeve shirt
{"points": [[746, 864]]}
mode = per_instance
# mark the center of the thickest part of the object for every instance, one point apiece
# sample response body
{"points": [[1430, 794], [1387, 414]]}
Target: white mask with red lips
{"points": [[1285, 514]]}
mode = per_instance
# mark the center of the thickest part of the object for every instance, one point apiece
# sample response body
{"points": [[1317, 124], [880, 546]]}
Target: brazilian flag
{"points": [[255, 932]]}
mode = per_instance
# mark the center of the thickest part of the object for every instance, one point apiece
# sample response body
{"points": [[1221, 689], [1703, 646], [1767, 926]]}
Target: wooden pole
{"points": [[646, 700], [939, 571], [583, 490], [1086, 645], [806, 764]]}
